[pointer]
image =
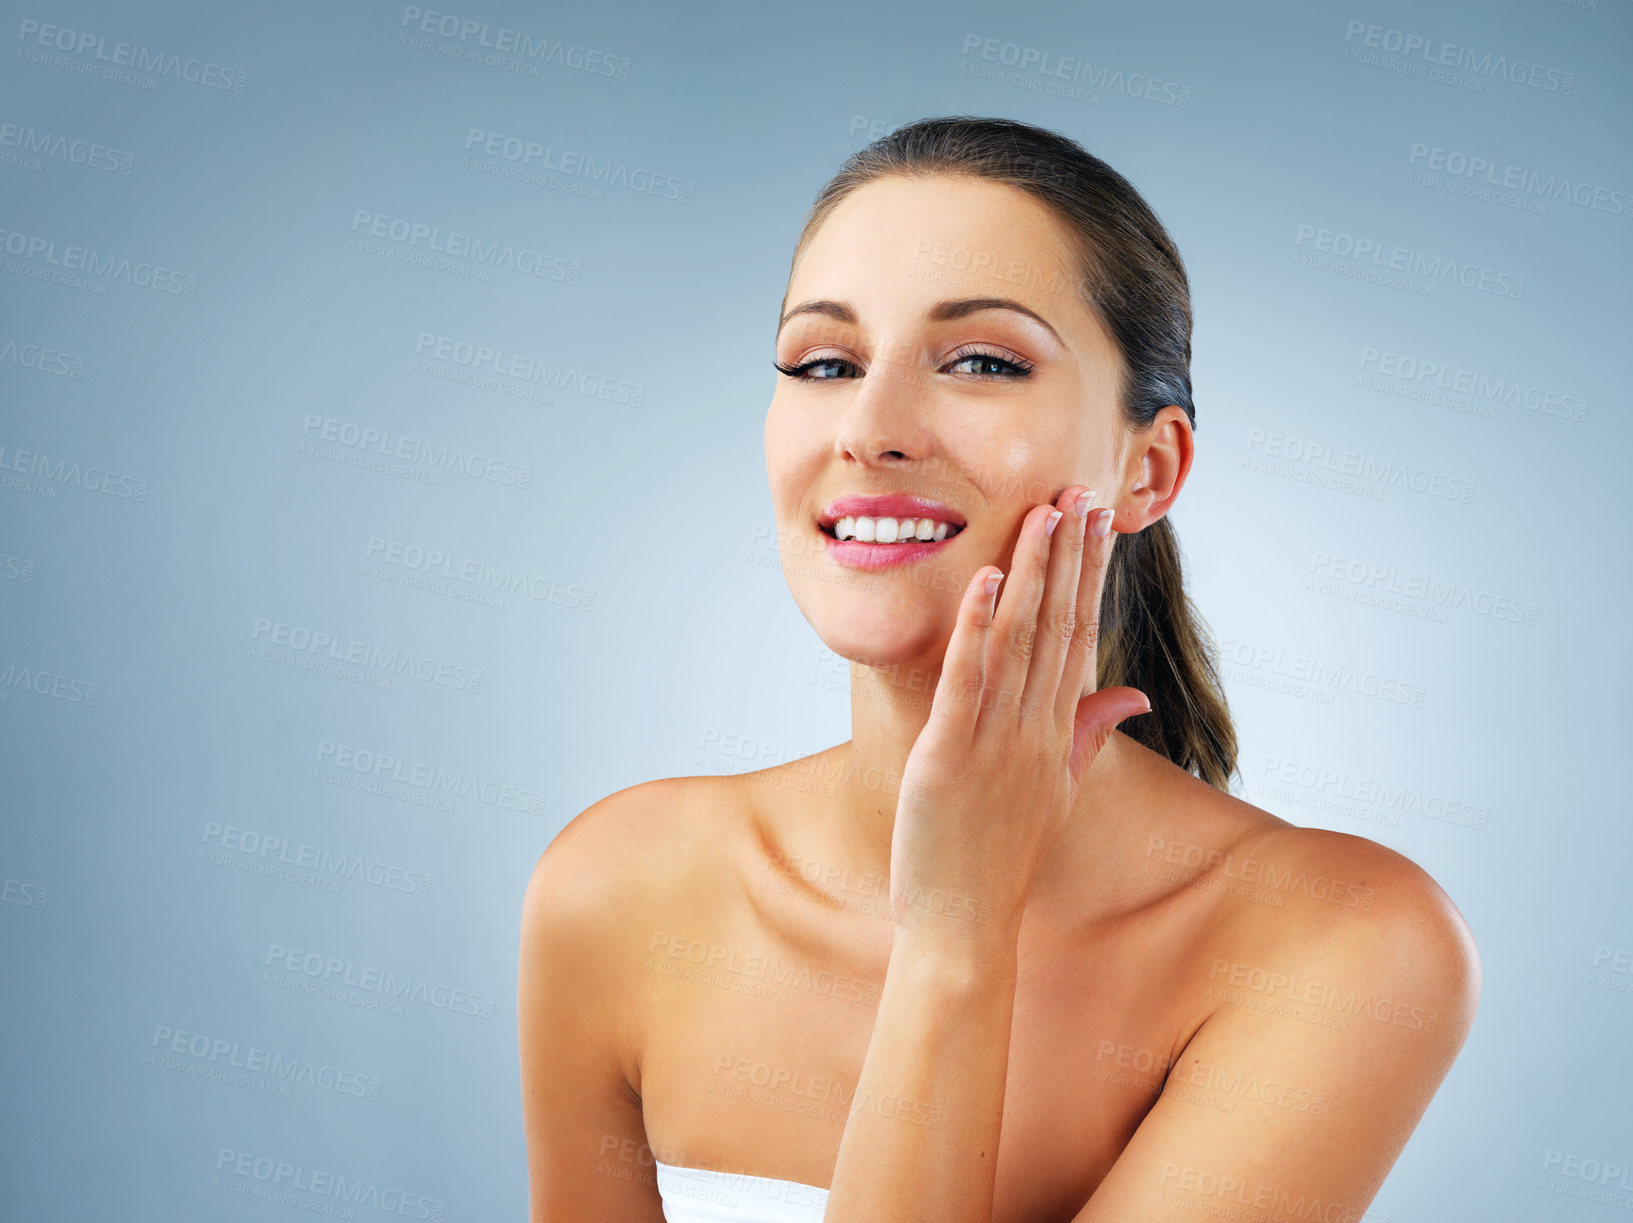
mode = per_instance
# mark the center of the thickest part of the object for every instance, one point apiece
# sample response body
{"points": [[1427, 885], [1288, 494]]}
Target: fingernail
{"points": [[1081, 505], [1102, 524], [1049, 523], [992, 582]]}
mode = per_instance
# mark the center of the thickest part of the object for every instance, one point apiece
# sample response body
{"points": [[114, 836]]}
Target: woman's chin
{"points": [[871, 643]]}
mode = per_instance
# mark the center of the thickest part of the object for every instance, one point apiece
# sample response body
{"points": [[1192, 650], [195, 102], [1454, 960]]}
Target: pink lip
{"points": [[890, 505], [858, 555]]}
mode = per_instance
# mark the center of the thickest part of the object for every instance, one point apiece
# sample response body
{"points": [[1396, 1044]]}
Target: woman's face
{"points": [[913, 383]]}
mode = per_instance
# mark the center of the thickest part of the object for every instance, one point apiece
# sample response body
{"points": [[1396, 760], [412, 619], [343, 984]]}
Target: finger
{"points": [[1014, 628], [1057, 614], [959, 690], [1083, 653], [1097, 716]]}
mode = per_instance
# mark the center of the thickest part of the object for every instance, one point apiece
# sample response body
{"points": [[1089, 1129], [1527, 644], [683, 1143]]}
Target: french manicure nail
{"points": [[992, 582], [1049, 523], [1102, 524], [1081, 505]]}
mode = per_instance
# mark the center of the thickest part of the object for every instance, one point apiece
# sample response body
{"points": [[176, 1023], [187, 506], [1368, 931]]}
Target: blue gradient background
{"points": [[689, 656]]}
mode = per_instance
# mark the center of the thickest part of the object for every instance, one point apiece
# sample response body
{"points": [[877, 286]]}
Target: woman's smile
{"points": [[877, 532]]}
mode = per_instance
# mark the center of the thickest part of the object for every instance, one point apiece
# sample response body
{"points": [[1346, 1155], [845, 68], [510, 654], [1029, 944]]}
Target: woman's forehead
{"points": [[901, 246], [934, 227]]}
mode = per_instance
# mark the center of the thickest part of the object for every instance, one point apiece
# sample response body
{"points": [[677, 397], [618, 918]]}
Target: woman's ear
{"points": [[1157, 461]]}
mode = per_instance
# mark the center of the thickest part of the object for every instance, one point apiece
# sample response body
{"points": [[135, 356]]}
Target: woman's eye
{"points": [[987, 365], [980, 364], [823, 369]]}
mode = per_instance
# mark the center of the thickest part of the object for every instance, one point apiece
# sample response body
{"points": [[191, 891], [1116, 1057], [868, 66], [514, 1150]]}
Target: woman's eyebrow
{"points": [[941, 312], [834, 310]]}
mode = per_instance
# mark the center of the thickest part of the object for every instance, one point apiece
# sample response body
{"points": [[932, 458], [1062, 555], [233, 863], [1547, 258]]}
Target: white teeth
{"points": [[889, 530]]}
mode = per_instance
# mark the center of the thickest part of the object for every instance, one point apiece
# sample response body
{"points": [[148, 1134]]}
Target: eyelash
{"points": [[1022, 368]]}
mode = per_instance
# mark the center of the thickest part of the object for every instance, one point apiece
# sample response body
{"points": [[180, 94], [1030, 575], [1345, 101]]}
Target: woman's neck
{"points": [[889, 709]]}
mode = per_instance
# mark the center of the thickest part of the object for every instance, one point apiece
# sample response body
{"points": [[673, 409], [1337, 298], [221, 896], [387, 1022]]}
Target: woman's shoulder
{"points": [[1328, 901], [613, 891], [1196, 827], [658, 856], [645, 839]]}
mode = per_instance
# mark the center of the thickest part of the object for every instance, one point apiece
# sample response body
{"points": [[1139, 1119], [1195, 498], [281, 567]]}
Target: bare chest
{"points": [[756, 1040]]}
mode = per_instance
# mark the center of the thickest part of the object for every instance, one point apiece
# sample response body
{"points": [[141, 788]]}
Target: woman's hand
{"points": [[994, 774]]}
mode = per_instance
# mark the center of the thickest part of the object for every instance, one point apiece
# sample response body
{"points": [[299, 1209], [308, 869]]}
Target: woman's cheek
{"points": [[1021, 471]]}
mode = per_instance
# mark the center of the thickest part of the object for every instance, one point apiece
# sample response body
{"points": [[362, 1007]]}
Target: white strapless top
{"points": [[699, 1195]]}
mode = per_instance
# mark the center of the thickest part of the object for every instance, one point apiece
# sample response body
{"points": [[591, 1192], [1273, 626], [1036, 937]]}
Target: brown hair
{"points": [[1151, 636]]}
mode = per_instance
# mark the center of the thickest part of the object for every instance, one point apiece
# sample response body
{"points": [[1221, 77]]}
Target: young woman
{"points": [[1013, 953]]}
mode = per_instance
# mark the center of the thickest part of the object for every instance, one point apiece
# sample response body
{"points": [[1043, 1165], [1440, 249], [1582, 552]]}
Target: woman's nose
{"points": [[888, 417]]}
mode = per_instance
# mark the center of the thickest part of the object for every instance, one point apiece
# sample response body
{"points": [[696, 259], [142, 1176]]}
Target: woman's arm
{"points": [[1326, 1043], [988, 786], [586, 1142], [1291, 1102], [922, 1138]]}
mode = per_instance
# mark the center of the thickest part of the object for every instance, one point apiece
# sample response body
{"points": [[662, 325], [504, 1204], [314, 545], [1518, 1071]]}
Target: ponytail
{"points": [[1152, 638]]}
